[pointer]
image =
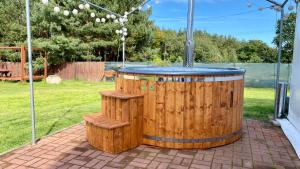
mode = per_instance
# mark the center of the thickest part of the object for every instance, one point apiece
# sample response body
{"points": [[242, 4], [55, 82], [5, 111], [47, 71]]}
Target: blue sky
{"points": [[219, 16]]}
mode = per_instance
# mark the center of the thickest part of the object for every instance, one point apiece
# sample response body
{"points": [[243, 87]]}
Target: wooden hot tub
{"points": [[187, 107]]}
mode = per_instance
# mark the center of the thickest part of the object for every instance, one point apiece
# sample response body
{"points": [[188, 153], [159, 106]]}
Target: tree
{"points": [[288, 35], [256, 51], [76, 38]]}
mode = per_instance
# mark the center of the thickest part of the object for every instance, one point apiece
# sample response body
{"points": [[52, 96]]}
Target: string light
{"points": [[81, 6], [277, 8], [291, 7], [113, 16], [56, 9], [116, 18], [75, 11], [66, 13], [87, 6], [249, 4], [45, 2]]}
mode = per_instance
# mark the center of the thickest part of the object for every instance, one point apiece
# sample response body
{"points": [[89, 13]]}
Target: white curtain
{"points": [[294, 112]]}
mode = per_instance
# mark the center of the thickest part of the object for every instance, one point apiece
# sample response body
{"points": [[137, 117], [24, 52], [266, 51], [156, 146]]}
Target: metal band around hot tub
{"points": [[199, 140], [182, 79]]}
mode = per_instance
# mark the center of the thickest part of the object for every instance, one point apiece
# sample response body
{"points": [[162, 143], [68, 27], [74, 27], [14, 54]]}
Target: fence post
{"points": [[23, 62]]}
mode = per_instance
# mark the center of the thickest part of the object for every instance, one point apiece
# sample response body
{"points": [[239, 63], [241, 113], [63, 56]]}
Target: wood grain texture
{"points": [[188, 110], [119, 126]]}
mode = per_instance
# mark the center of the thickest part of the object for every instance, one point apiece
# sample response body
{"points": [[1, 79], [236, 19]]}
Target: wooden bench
{"points": [[119, 126], [5, 73]]}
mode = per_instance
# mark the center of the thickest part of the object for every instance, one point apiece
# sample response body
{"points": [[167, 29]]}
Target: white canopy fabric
{"points": [[291, 127], [294, 113]]}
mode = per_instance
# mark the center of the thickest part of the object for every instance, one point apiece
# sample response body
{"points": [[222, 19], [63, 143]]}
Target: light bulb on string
{"points": [[45, 2], [93, 14], [113, 16], [249, 4], [66, 13], [123, 39], [124, 29], [56, 9], [125, 33], [116, 21], [81, 6], [75, 11], [103, 20], [98, 20], [291, 7], [108, 16], [277, 8], [117, 32], [87, 6]]}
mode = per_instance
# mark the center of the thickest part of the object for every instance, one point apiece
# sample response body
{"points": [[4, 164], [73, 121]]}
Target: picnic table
{"points": [[5, 73]]}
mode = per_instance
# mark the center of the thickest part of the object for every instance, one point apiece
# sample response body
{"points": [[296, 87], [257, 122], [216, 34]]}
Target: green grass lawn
{"points": [[60, 106]]}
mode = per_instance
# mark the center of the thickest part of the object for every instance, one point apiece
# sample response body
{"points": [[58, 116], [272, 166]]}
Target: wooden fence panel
{"points": [[88, 71]]}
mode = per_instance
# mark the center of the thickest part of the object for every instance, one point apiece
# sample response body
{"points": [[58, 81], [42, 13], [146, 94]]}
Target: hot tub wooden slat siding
{"points": [[188, 114]]}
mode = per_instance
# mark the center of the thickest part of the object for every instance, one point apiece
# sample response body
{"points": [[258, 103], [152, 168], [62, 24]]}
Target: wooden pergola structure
{"points": [[22, 69]]}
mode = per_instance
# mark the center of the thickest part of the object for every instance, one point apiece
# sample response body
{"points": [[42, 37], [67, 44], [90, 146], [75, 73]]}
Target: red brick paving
{"points": [[261, 147]]}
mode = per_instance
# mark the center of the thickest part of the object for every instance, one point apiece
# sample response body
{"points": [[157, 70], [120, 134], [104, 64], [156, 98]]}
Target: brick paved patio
{"points": [[262, 147]]}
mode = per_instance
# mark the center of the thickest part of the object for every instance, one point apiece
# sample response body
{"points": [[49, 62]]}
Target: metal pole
{"points": [[123, 54], [30, 70], [189, 44], [278, 63]]}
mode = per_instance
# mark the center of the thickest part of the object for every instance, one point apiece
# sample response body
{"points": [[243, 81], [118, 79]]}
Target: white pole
{"points": [[123, 54], [30, 70]]}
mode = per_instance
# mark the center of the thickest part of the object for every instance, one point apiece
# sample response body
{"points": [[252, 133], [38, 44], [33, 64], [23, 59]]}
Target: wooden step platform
{"points": [[101, 121], [120, 125]]}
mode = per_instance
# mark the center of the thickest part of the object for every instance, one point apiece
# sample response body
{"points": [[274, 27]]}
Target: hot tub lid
{"points": [[182, 71]]}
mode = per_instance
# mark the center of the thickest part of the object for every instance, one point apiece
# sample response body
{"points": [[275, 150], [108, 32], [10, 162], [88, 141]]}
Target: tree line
{"points": [[80, 38]]}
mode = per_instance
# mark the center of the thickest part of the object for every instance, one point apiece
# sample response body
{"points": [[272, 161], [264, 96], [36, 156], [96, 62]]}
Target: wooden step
{"points": [[101, 121], [120, 95]]}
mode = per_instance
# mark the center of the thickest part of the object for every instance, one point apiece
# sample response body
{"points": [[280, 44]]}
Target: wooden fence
{"points": [[88, 71]]}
